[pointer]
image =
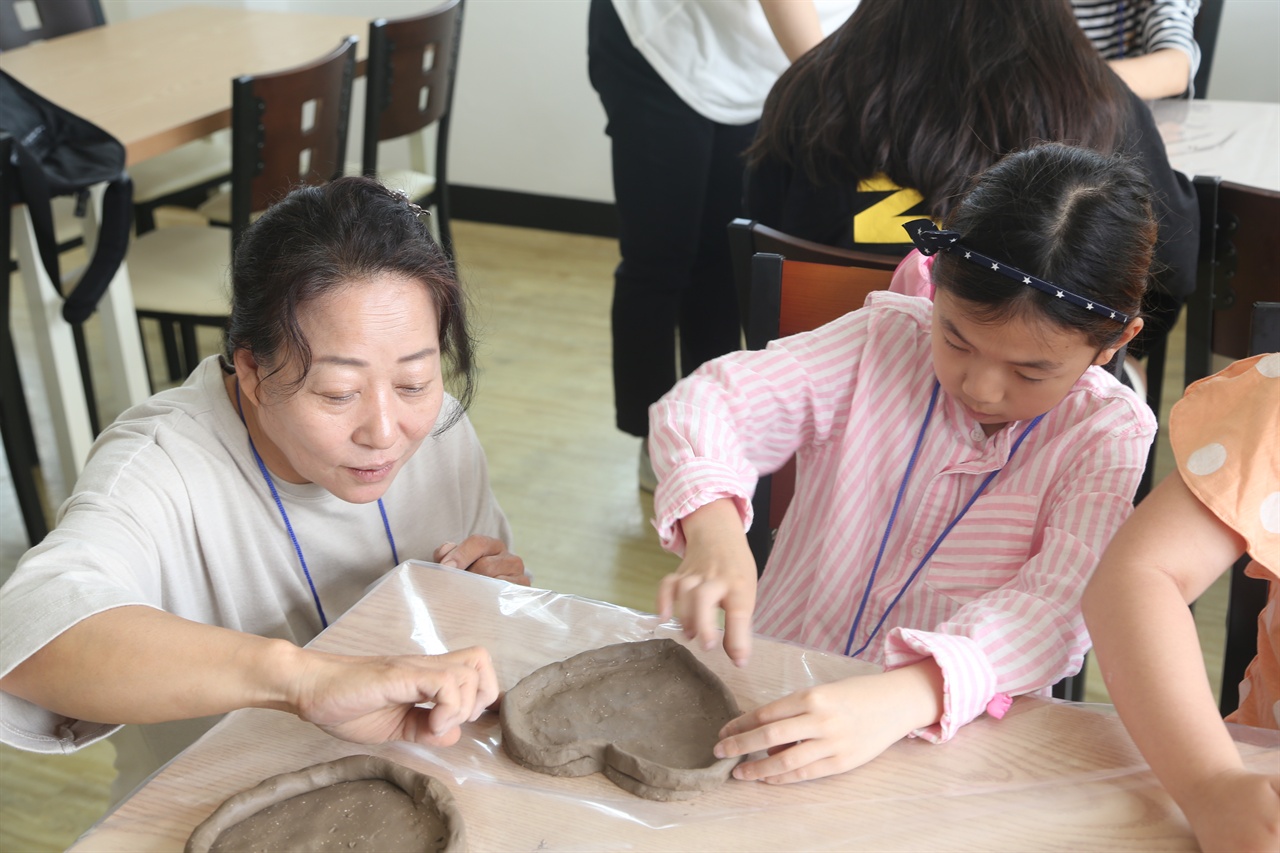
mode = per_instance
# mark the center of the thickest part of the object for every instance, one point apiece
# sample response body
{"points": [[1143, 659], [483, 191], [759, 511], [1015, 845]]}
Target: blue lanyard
{"points": [[266, 475], [893, 516]]}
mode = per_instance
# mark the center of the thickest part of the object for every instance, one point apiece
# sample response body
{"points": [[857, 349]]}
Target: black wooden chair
{"points": [[288, 128], [411, 71]]}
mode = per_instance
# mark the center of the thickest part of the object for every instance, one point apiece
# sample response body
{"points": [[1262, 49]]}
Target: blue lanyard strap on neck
{"points": [[266, 475], [893, 516]]}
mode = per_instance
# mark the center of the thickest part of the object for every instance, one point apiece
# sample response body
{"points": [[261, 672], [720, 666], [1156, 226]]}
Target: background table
{"points": [[154, 83], [1238, 141], [1048, 776]]}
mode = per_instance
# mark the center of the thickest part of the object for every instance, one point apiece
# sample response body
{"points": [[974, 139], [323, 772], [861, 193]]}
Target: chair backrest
{"points": [[288, 128], [1239, 256], [787, 297], [1205, 32], [25, 21], [748, 237], [410, 80]]}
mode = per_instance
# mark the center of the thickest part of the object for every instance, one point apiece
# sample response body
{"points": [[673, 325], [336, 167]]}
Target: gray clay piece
{"points": [[360, 803], [645, 714]]}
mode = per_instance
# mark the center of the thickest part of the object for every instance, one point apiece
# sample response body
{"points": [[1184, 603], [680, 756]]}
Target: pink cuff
{"points": [[999, 705]]}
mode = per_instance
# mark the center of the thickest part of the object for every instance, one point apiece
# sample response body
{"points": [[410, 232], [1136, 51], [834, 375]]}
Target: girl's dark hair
{"points": [[318, 239], [931, 93], [1072, 216]]}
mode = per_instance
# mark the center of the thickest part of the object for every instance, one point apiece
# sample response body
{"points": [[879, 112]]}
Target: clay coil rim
{"points": [[425, 791], [600, 755]]}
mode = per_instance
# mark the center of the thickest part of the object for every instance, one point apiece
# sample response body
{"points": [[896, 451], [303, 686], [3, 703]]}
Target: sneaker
{"points": [[648, 479]]}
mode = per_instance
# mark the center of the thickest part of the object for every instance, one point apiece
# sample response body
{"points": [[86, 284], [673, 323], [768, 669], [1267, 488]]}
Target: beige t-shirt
{"points": [[172, 512], [1225, 433]]}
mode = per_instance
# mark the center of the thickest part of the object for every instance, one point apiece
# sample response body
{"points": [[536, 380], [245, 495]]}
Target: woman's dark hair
{"points": [[931, 93], [318, 239], [1072, 216]]}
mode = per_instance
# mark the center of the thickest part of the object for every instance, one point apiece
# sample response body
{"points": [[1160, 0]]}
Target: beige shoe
{"points": [[648, 479]]}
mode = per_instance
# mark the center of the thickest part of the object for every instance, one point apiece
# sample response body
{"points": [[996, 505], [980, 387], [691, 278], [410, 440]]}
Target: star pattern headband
{"points": [[929, 241]]}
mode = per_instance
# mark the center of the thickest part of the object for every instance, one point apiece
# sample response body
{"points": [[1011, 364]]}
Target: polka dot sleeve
{"points": [[1225, 434]]}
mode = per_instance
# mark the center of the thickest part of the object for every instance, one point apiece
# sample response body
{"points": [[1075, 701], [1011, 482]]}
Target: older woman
{"points": [[220, 526]]}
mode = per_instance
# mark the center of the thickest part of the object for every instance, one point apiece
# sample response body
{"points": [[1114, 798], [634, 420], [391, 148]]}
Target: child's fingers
{"points": [[666, 596], [737, 636], [764, 737]]}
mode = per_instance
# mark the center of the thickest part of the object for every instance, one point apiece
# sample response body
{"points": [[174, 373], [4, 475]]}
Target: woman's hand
{"points": [[718, 571], [833, 728], [375, 699], [1236, 810], [483, 555]]}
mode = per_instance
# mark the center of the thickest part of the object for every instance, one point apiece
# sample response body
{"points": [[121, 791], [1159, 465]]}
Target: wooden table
{"points": [[1238, 141], [1048, 776], [154, 83]]}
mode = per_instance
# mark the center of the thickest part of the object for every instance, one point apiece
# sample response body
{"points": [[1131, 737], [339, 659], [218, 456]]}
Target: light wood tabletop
{"points": [[1048, 776], [159, 81], [1238, 141]]}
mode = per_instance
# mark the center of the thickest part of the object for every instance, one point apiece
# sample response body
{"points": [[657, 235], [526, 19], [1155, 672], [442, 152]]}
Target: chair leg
{"points": [[172, 354], [190, 350], [86, 377], [20, 447]]}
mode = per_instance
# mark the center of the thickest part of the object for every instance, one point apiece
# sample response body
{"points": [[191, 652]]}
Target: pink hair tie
{"points": [[999, 705]]}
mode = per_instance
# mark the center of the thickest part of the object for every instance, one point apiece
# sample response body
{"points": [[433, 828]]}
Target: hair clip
{"points": [[409, 203], [930, 240]]}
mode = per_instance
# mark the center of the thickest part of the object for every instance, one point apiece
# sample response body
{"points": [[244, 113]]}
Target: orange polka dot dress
{"points": [[1225, 434]]}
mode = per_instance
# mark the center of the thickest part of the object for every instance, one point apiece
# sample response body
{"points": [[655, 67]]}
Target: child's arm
{"points": [[1145, 639], [1162, 74]]}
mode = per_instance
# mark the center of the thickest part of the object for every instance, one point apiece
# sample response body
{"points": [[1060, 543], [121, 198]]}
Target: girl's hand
{"points": [[718, 571], [1236, 810], [833, 728], [483, 555], [375, 699]]}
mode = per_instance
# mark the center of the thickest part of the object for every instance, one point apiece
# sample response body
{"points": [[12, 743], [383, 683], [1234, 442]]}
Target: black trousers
{"points": [[677, 181]]}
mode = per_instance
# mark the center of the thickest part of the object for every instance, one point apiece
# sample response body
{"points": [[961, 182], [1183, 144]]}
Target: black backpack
{"points": [[57, 153]]}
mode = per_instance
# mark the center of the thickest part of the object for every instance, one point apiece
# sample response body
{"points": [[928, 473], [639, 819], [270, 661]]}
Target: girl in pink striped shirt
{"points": [[961, 464]]}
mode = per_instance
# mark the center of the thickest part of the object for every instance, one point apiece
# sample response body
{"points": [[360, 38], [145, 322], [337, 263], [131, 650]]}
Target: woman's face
{"points": [[372, 395], [1011, 370]]}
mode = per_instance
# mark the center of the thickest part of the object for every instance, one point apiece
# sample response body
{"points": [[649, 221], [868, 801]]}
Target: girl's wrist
{"points": [[918, 693]]}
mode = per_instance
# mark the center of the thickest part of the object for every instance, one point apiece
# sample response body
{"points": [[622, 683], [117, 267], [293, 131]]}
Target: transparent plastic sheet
{"points": [[1050, 775], [960, 784]]}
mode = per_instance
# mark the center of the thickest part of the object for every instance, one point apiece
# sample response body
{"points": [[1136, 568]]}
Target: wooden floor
{"points": [[565, 476]]}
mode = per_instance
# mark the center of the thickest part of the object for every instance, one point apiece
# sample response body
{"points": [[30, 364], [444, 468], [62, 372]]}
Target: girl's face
{"points": [[372, 395], [1012, 370]]}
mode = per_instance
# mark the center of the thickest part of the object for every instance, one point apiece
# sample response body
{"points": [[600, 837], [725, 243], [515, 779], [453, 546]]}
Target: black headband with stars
{"points": [[929, 241]]}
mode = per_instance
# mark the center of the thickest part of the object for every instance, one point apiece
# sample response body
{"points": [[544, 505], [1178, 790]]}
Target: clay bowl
{"points": [[645, 714], [356, 803]]}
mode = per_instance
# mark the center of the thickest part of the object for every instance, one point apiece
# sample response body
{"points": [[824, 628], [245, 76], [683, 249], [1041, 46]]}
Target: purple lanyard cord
{"points": [[266, 475], [893, 516]]}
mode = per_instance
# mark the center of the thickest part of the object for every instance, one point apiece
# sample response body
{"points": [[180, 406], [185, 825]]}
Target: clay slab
{"points": [[645, 714], [360, 803]]}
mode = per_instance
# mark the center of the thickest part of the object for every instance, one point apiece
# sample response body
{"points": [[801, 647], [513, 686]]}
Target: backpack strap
{"points": [[113, 242]]}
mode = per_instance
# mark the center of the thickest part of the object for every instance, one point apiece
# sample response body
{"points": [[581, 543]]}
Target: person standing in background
{"points": [[683, 83], [1150, 44]]}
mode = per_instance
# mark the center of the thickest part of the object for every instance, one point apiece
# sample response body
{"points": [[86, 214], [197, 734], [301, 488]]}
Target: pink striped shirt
{"points": [[998, 604]]}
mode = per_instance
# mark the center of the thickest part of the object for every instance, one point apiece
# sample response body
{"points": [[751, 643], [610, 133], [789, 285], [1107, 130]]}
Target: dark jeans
{"points": [[677, 181]]}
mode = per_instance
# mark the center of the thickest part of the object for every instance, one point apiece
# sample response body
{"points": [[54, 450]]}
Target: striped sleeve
{"points": [[745, 414], [1120, 30], [1029, 633]]}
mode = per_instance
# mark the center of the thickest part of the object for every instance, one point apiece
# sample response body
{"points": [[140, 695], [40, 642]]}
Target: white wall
{"points": [[1246, 65], [526, 118]]}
